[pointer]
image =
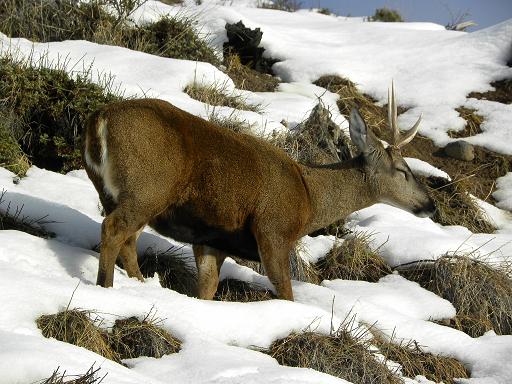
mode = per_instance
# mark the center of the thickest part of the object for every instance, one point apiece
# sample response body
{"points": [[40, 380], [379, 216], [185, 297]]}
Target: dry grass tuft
{"points": [[353, 260], [481, 294], [76, 327], [374, 116], [302, 270], [89, 377], [14, 220], [415, 362], [241, 291], [231, 122], [129, 337], [247, 78], [174, 271], [218, 95], [455, 206], [339, 354], [133, 338], [318, 140], [473, 122]]}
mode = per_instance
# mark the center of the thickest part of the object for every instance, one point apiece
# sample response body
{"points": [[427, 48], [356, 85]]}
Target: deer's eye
{"points": [[403, 173]]}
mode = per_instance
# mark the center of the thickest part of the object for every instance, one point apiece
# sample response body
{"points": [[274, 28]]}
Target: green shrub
{"points": [[386, 15], [48, 20], [51, 108], [174, 37], [324, 11], [281, 5], [12, 156]]}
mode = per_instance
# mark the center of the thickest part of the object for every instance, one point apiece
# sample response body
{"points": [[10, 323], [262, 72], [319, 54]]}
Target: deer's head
{"points": [[390, 179]]}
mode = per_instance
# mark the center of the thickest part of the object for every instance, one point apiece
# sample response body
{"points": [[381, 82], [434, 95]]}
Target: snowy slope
{"points": [[38, 276], [434, 69]]}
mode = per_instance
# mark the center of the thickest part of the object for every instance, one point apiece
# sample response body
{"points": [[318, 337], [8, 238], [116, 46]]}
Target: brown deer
{"points": [[227, 193]]}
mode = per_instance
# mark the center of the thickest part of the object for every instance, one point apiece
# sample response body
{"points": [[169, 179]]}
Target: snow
{"points": [[403, 238], [244, 366], [433, 70], [503, 193], [45, 273], [496, 129], [422, 168]]}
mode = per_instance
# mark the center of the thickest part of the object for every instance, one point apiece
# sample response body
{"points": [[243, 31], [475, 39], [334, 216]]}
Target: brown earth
{"points": [[482, 171]]}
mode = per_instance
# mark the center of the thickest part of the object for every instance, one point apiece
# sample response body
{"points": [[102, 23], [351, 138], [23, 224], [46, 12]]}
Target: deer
{"points": [[228, 193]]}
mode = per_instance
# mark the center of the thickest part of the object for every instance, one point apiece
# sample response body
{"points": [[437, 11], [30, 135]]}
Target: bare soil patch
{"points": [[501, 94]]}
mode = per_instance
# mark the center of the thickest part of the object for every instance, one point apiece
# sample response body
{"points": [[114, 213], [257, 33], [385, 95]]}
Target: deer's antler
{"points": [[399, 140]]}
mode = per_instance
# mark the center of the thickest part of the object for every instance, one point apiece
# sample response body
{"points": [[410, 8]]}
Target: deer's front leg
{"points": [[275, 258]]}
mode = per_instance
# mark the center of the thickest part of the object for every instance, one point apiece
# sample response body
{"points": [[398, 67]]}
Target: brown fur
{"points": [[201, 184]]}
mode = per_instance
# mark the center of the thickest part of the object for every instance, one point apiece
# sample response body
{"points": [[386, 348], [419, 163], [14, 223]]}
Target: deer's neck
{"points": [[335, 191]]}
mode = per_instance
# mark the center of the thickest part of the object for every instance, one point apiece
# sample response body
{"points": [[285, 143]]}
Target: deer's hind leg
{"points": [[128, 254], [128, 251], [208, 262], [119, 232]]}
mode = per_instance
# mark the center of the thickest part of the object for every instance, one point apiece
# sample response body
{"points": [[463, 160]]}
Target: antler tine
{"points": [[409, 135], [392, 114]]}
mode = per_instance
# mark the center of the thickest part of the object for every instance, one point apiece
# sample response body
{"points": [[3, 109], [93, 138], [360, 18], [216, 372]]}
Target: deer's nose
{"points": [[427, 210]]}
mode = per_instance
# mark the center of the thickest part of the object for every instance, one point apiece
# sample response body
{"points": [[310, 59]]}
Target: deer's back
{"points": [[220, 185]]}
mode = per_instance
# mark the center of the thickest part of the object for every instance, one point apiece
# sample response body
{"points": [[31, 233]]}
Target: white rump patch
{"points": [[104, 168]]}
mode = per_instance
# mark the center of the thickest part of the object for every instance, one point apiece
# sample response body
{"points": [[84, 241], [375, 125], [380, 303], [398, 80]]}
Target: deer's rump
{"points": [[182, 224]]}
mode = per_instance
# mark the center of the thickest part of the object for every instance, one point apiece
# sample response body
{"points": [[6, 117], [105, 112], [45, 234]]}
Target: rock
{"points": [[245, 43], [460, 150]]}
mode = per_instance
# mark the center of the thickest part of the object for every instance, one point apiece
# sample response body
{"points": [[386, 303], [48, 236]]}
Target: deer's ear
{"points": [[361, 136], [358, 131]]}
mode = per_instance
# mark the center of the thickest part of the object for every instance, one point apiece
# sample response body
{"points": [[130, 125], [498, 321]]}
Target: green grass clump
{"points": [[48, 20], [49, 108], [281, 5], [386, 15], [12, 156], [175, 37]]}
